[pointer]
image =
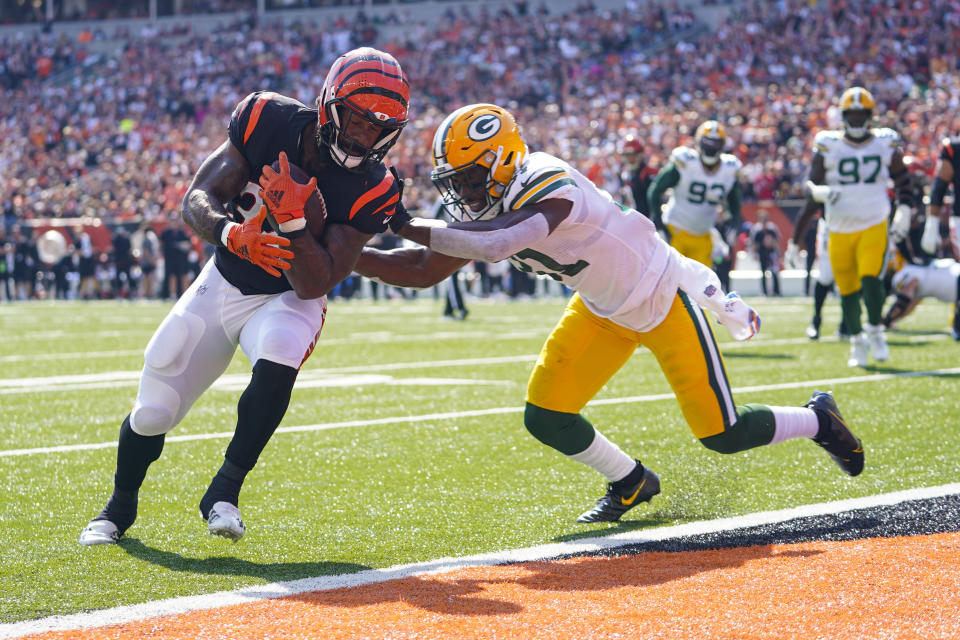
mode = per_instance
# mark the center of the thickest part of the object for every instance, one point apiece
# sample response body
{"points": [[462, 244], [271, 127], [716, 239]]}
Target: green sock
{"points": [[873, 296], [850, 304]]}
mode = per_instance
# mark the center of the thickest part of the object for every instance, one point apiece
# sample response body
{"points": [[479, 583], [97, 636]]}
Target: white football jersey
{"points": [[609, 253], [935, 280], [860, 172], [693, 204]]}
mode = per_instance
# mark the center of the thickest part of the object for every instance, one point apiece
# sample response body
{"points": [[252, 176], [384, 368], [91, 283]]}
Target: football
{"points": [[315, 210]]}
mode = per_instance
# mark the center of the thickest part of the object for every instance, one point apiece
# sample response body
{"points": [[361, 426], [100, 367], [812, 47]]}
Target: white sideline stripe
{"points": [[111, 379], [488, 412], [186, 604]]}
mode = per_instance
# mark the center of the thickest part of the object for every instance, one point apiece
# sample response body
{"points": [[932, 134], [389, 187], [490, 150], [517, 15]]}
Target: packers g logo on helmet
{"points": [[711, 139], [476, 152], [856, 106], [484, 128]]}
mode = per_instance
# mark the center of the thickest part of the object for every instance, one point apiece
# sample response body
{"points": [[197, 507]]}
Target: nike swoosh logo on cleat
{"points": [[629, 501], [839, 419]]}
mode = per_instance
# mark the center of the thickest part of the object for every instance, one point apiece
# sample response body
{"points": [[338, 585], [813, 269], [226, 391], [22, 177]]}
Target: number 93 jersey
{"points": [[693, 204], [607, 252], [859, 172]]}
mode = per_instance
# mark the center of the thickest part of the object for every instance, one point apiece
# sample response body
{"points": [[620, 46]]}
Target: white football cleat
{"points": [[859, 350], [878, 342], [99, 532], [224, 520]]}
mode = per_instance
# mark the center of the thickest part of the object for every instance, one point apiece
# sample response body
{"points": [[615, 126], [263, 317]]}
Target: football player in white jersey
{"points": [[631, 289], [918, 274], [702, 179], [848, 176]]}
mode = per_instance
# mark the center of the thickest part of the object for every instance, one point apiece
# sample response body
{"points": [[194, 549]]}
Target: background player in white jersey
{"points": [[702, 179], [632, 289], [849, 175], [918, 274]]}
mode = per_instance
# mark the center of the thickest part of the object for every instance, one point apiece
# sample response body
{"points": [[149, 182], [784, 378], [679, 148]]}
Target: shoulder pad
{"points": [[375, 202], [730, 160], [539, 174], [259, 116], [682, 156], [824, 140], [886, 134]]}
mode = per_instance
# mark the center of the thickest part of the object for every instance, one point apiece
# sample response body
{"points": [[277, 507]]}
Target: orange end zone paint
{"points": [[876, 588]]}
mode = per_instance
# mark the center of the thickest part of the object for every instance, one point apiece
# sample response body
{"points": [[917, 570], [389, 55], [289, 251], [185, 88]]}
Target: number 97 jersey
{"points": [[693, 205], [859, 173]]}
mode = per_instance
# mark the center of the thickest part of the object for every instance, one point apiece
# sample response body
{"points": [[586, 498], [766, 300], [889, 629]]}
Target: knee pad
{"points": [[156, 409], [168, 351], [568, 433]]}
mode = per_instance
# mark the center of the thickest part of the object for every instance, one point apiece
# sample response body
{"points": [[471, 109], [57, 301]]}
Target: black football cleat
{"points": [[618, 501], [844, 447], [813, 331]]}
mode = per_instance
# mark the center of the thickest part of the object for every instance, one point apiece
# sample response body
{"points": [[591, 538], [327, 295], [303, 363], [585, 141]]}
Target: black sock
{"points": [[820, 292], [259, 412], [630, 479], [225, 487], [135, 454]]}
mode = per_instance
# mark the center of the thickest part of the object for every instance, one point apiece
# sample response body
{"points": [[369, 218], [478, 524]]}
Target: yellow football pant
{"points": [[694, 247], [856, 255], [584, 351]]}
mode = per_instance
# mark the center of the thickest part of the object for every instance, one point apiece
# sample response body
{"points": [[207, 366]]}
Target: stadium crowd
{"points": [[117, 137]]}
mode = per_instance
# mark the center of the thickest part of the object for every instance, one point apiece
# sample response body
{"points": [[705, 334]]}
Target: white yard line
{"points": [[79, 382], [822, 382], [255, 593]]}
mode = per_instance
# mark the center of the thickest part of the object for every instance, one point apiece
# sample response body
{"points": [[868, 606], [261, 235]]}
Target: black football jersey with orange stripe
{"points": [[264, 124], [950, 152]]}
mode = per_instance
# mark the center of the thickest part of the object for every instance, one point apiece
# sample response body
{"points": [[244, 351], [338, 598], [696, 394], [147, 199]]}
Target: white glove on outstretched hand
{"points": [[740, 320], [822, 192], [792, 256], [900, 226], [703, 287], [930, 240]]}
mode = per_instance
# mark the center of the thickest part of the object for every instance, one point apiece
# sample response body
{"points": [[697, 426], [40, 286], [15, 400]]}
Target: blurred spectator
{"points": [[636, 175], [766, 242], [123, 281], [175, 243]]}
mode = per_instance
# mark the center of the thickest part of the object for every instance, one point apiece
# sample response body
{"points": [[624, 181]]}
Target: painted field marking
{"points": [[823, 382], [111, 379], [254, 593]]}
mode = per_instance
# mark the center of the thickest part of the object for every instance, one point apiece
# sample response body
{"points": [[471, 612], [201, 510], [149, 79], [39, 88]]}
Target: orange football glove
{"points": [[285, 197], [248, 241]]}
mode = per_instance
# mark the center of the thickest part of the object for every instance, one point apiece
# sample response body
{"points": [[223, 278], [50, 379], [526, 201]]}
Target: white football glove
{"points": [[740, 320], [930, 240], [900, 227], [822, 192], [792, 256]]}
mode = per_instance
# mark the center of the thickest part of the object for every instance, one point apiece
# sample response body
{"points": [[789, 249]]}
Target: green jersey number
{"points": [[552, 268], [698, 192], [855, 170]]}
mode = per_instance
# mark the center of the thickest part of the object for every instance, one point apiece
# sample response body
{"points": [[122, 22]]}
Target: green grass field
{"points": [[413, 445]]}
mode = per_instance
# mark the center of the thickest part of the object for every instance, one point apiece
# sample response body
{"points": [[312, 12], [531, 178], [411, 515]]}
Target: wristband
{"points": [[221, 232], [293, 235]]}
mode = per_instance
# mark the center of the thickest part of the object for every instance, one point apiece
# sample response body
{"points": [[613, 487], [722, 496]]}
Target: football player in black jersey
{"points": [[936, 235], [264, 291]]}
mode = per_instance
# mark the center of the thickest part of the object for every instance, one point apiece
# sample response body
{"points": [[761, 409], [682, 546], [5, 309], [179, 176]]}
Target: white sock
{"points": [[607, 458], [794, 422]]}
